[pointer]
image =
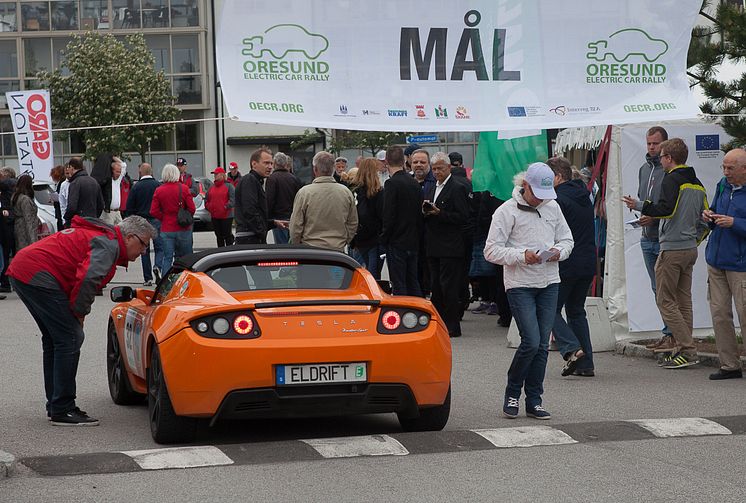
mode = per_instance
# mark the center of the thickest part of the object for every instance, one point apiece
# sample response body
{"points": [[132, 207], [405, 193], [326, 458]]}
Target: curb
{"points": [[393, 444], [7, 464], [628, 348]]}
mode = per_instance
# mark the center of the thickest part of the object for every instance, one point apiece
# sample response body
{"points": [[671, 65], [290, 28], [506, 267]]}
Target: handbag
{"points": [[183, 217]]}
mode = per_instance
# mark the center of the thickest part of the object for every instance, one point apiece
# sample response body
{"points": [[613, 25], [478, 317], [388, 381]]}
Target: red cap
{"points": [[218, 170], [233, 165]]}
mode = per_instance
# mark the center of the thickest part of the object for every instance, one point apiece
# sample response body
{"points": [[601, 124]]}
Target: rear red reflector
{"points": [[277, 264], [391, 320], [243, 324]]}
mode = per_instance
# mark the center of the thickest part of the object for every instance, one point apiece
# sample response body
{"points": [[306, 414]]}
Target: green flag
{"points": [[498, 161]]}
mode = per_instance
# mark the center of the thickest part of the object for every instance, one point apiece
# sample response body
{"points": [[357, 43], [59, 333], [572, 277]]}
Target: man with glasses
{"points": [[57, 279], [726, 267], [650, 179], [682, 201]]}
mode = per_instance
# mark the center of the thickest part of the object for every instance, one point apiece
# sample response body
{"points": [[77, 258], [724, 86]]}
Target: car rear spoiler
{"points": [[301, 303]]}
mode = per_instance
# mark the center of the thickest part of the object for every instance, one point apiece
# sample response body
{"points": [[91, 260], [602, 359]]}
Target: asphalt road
{"points": [[675, 469]]}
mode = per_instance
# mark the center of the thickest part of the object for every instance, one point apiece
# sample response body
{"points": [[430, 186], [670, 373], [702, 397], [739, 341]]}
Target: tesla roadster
{"points": [[264, 332]]}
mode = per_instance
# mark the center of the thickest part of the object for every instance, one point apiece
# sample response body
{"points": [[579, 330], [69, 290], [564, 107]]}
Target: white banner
{"points": [[31, 114], [456, 65], [705, 156]]}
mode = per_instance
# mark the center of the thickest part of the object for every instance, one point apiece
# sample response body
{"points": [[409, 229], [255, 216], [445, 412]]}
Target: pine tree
{"points": [[711, 46]]}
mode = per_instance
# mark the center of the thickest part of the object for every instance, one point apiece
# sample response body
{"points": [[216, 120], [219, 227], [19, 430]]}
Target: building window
{"points": [[184, 13], [94, 15], [37, 55], [8, 16], [64, 14], [35, 16]]}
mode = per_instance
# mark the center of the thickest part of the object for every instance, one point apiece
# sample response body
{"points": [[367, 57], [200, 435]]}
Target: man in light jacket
{"points": [[324, 212], [529, 236]]}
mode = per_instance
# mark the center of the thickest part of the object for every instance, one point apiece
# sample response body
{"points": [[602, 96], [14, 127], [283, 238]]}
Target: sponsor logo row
{"points": [[423, 112]]}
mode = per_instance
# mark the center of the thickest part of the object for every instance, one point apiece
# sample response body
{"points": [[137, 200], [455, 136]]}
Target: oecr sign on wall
{"points": [[31, 114]]}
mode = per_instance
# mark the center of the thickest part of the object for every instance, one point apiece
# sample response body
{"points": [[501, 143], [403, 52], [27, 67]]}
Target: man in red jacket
{"points": [[57, 278], [220, 199]]}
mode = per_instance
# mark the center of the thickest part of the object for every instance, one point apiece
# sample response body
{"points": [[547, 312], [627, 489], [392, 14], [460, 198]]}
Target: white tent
{"points": [[624, 271]]}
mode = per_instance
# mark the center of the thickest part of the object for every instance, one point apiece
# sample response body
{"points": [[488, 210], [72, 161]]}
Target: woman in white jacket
{"points": [[529, 236]]}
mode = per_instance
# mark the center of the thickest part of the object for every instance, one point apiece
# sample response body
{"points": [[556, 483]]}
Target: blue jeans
{"points": [[534, 311], [61, 339], [282, 236], [371, 259], [574, 333], [403, 271], [650, 252], [175, 245], [147, 266]]}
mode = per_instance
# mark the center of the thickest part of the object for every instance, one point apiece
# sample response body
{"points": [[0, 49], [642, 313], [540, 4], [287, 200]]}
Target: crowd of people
{"points": [[531, 258]]}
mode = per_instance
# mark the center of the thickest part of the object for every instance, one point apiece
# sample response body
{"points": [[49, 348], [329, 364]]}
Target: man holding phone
{"points": [[529, 223], [446, 210], [726, 266]]}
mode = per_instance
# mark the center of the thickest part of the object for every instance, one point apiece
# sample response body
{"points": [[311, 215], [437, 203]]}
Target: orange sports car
{"points": [[282, 331]]}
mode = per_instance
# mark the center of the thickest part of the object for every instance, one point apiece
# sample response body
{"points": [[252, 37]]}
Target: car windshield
{"points": [[43, 194], [282, 276]]}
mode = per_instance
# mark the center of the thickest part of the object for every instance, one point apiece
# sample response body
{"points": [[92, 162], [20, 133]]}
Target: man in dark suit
{"points": [[402, 224], [446, 210]]}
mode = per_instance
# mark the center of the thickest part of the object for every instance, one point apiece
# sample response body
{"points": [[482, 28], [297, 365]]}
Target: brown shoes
{"points": [[666, 344]]}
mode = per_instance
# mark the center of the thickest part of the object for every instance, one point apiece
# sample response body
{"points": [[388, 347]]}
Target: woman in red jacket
{"points": [[167, 199], [220, 199]]}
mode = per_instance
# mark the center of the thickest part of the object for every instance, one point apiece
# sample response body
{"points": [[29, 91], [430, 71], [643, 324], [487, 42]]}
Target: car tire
{"points": [[119, 386], [429, 419], [165, 426]]}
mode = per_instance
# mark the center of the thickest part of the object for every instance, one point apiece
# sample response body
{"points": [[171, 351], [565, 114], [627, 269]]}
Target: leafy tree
{"points": [[105, 81], [710, 47], [372, 141]]}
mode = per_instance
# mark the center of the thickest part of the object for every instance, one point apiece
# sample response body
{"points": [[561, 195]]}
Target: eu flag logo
{"points": [[707, 142], [516, 111]]}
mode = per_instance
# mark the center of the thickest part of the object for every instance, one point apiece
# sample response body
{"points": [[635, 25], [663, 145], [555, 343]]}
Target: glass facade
{"points": [[34, 35]]}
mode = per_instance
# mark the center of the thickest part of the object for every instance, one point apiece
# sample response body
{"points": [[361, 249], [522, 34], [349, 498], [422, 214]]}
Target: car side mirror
{"points": [[122, 294], [385, 285]]}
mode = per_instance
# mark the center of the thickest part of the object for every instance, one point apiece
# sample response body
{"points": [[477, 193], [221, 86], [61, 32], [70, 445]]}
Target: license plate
{"points": [[321, 373]]}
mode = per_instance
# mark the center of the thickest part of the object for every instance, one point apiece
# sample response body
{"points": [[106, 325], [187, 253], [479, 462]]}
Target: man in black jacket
{"points": [[138, 203], [252, 216], [573, 337], [282, 186], [402, 225], [446, 211], [84, 196]]}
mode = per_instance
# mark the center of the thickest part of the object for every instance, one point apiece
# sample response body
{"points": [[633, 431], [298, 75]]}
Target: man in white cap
{"points": [[383, 167], [528, 237]]}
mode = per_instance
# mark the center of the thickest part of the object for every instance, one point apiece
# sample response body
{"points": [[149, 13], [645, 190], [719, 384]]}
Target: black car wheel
{"points": [[429, 419], [165, 426], [119, 386]]}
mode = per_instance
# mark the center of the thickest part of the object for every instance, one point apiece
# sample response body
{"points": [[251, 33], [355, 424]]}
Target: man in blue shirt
{"points": [[726, 265]]}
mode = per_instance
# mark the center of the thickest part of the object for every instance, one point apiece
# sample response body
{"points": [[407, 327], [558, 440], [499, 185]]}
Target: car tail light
{"points": [[402, 320], [277, 264], [44, 229], [391, 320], [235, 325], [243, 324]]}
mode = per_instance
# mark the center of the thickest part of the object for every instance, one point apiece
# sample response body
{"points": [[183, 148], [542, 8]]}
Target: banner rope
{"points": [[208, 119]]}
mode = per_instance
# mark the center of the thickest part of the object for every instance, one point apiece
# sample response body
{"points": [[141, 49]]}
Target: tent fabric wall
{"points": [[615, 288]]}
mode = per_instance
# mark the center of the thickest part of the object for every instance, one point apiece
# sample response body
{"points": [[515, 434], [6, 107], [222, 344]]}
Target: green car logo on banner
{"points": [[627, 56], [281, 39]]}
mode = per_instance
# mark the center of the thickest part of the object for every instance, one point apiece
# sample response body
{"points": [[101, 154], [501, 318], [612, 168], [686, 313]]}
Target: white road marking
{"points": [[179, 457], [682, 427], [525, 436], [348, 447]]}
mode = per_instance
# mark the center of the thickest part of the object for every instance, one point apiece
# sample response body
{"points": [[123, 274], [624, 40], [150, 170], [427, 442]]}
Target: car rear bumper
{"points": [[202, 373], [317, 401]]}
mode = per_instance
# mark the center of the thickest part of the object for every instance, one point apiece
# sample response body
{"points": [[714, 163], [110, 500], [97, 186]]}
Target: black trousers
{"points": [[446, 280], [222, 228]]}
